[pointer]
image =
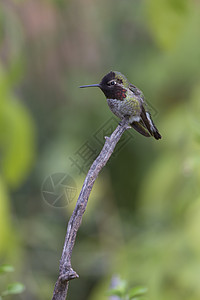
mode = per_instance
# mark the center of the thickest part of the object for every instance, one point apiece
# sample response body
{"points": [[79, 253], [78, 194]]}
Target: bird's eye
{"points": [[111, 82]]}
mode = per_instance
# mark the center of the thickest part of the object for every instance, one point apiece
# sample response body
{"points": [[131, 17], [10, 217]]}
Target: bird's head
{"points": [[114, 85]]}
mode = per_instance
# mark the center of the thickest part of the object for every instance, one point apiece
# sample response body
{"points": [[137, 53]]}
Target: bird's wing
{"points": [[136, 91], [147, 120], [140, 128]]}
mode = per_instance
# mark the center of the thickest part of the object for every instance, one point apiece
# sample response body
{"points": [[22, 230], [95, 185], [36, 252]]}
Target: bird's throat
{"points": [[118, 93]]}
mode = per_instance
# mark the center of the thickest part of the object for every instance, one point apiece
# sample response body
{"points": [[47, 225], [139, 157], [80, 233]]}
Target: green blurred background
{"points": [[143, 217]]}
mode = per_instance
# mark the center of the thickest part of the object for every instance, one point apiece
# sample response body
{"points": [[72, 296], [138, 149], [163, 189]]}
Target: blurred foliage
{"points": [[16, 136], [172, 17], [142, 220], [123, 292], [12, 288], [6, 236]]}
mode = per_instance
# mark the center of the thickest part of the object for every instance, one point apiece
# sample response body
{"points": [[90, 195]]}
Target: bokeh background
{"points": [[143, 217]]}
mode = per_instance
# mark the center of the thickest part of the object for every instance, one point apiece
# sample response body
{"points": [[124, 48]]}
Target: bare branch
{"points": [[66, 272]]}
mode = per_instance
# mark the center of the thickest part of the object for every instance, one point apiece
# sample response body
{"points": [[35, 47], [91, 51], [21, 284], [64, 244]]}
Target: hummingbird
{"points": [[126, 101]]}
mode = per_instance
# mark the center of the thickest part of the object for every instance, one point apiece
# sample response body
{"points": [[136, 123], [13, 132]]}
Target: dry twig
{"points": [[66, 272]]}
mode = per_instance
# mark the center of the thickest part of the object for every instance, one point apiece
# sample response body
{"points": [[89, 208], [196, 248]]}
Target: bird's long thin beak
{"points": [[91, 85]]}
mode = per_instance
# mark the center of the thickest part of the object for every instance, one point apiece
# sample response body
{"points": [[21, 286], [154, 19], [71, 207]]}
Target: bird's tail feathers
{"points": [[146, 118], [153, 129]]}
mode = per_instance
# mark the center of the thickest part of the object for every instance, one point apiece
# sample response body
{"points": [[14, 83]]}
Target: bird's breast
{"points": [[123, 108], [115, 106]]}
